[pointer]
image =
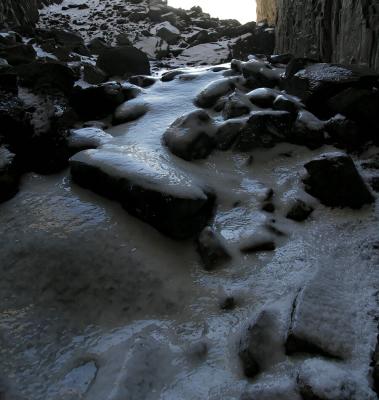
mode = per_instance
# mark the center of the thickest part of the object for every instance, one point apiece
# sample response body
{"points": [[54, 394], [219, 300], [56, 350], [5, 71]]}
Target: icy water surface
{"points": [[98, 305]]}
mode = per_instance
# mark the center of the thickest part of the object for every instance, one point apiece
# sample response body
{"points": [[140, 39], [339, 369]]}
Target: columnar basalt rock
{"points": [[344, 31]]}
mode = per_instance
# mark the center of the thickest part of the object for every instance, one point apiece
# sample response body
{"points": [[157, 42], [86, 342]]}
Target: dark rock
{"points": [[93, 75], [335, 181], [264, 129], [299, 211], [97, 102], [15, 122], [259, 245], [260, 343], [227, 304], [18, 53], [212, 92], [261, 74], [308, 131], [164, 197], [263, 97], [212, 249], [9, 175], [317, 83], [98, 45], [374, 183], [359, 105], [345, 133], [142, 80], [227, 133], [236, 105], [170, 75], [191, 136], [43, 75], [268, 206], [283, 103], [123, 61]]}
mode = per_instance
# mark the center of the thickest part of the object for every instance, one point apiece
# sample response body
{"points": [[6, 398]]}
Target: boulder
{"points": [[335, 181], [227, 133], [359, 105], [236, 105], [47, 75], [148, 187], [93, 75], [317, 83], [98, 101], [345, 133], [123, 61], [263, 97], [216, 89], [264, 129], [9, 175], [98, 45], [129, 111], [87, 138], [142, 80], [308, 130], [18, 53], [167, 32], [299, 211], [191, 136], [260, 73]]}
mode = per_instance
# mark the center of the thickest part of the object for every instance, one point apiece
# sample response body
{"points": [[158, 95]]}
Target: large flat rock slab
{"points": [[147, 186]]}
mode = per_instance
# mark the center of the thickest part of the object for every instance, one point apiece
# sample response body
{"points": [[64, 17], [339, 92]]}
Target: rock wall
{"points": [[21, 12], [345, 31]]}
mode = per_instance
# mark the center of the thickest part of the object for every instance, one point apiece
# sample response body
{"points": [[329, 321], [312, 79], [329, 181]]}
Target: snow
{"points": [[85, 283], [205, 54], [141, 168]]}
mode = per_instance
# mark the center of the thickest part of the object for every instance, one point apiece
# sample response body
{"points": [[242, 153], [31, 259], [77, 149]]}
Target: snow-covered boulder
{"points": [[191, 136], [147, 186], [87, 138], [216, 89], [130, 111], [263, 97]]}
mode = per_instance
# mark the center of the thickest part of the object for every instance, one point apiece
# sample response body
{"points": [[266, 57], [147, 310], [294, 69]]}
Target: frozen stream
{"points": [[98, 305]]}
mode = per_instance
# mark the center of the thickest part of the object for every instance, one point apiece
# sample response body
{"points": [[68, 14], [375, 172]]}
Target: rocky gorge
{"points": [[188, 205]]}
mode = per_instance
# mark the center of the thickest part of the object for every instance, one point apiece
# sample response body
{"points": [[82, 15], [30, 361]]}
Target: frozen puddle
{"points": [[98, 305]]}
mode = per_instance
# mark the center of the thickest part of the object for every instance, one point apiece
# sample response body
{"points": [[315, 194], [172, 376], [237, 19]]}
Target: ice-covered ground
{"points": [[98, 305]]}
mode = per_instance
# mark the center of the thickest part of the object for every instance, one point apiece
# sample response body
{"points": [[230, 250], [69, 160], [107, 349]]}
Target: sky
{"points": [[242, 10]]}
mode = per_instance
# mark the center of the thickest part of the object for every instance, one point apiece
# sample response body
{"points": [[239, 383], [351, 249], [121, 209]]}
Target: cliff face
{"points": [[345, 31], [21, 12]]}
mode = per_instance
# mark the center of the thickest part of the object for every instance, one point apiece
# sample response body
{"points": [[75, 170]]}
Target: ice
{"points": [[84, 281]]}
